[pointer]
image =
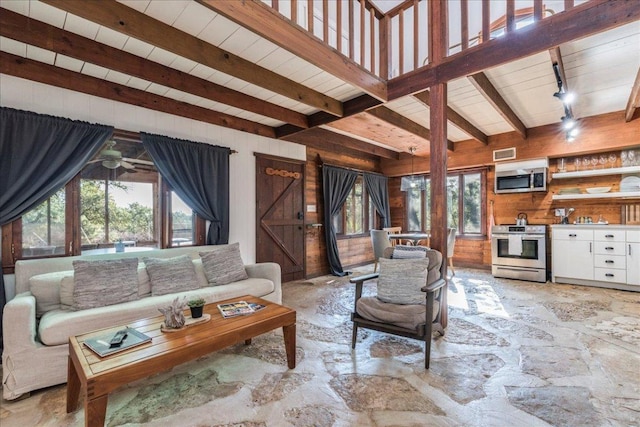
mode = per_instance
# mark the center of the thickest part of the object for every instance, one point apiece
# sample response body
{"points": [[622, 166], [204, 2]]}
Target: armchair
{"points": [[418, 315]]}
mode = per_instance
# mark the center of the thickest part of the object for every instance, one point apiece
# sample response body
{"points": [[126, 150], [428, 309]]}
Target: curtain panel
{"points": [[39, 154], [199, 174], [336, 185], [378, 188]]}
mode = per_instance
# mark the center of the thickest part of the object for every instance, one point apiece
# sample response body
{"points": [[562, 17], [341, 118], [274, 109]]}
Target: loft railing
{"points": [[397, 42]]}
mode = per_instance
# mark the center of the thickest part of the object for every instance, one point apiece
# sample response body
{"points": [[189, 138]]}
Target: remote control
{"points": [[117, 339]]}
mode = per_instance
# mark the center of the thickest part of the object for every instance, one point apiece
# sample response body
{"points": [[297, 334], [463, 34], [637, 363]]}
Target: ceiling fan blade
{"points": [[126, 165], [139, 161]]}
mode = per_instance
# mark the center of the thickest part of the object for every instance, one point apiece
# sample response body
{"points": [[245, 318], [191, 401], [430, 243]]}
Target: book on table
{"points": [[102, 347], [238, 308]]}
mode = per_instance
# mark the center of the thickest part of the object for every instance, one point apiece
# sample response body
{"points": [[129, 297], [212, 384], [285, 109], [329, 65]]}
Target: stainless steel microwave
{"points": [[521, 177]]}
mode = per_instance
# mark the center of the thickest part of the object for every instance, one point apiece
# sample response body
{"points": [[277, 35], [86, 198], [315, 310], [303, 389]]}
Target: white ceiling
{"points": [[600, 69]]}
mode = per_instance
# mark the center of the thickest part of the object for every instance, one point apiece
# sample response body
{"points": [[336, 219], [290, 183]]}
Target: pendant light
{"points": [[413, 182]]}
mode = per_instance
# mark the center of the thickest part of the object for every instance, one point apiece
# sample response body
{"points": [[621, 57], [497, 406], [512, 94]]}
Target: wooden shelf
{"points": [[620, 195], [596, 172]]}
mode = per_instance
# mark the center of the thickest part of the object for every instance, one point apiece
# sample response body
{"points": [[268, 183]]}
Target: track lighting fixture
{"points": [[569, 124]]}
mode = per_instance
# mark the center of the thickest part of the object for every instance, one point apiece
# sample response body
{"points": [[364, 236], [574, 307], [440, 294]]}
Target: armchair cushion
{"points": [[401, 280], [409, 252], [408, 316]]}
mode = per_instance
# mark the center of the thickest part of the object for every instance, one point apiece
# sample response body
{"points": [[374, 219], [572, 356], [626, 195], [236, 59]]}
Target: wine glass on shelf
{"points": [[602, 160], [594, 161], [612, 160], [578, 163]]}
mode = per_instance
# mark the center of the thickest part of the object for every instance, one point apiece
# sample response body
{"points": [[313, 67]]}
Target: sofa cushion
{"points": [[46, 290], [223, 264], [400, 280], [409, 252], [104, 282], [170, 275], [56, 326]]}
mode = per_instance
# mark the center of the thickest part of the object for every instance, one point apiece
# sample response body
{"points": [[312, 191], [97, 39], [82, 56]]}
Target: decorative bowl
{"points": [[598, 190]]}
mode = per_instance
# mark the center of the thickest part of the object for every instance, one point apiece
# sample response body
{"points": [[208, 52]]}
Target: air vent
{"points": [[505, 154]]}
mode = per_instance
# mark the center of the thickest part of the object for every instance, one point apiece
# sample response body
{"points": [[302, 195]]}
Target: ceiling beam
{"points": [[634, 99], [400, 121], [350, 108], [126, 20], [486, 88], [455, 118], [55, 76], [323, 138], [30, 31], [588, 18], [267, 22]]}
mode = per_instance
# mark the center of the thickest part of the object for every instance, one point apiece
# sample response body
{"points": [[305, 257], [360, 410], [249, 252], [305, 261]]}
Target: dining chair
{"points": [[379, 241], [394, 230]]}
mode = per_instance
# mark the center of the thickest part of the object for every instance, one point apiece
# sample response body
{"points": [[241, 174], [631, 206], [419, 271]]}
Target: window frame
{"points": [[366, 214], [12, 232], [482, 235]]}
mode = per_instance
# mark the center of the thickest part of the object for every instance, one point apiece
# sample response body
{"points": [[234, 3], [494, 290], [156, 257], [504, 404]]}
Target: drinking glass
{"points": [[594, 161], [602, 160], [612, 160], [577, 162], [623, 158], [561, 165], [586, 162]]}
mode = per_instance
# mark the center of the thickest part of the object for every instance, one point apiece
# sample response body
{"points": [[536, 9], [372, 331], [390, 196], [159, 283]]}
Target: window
{"points": [[115, 210], [465, 199], [358, 215], [182, 222], [43, 228]]}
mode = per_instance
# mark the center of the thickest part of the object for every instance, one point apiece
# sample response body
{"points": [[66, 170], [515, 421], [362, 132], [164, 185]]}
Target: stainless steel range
{"points": [[519, 252]]}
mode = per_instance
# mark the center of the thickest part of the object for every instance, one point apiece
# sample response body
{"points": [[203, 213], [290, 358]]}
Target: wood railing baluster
{"points": [[310, 16], [339, 26], [325, 21], [401, 42], [510, 24], [486, 17], [362, 10], [416, 33], [351, 25], [464, 24], [372, 38], [294, 11], [537, 10]]}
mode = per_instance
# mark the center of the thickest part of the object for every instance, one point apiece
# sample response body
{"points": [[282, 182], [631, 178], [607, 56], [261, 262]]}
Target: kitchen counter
{"points": [[595, 226]]}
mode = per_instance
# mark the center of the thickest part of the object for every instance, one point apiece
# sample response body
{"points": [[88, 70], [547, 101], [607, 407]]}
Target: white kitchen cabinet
{"points": [[633, 257], [596, 255], [572, 254]]}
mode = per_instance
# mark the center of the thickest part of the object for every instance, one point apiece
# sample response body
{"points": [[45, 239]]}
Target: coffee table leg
{"points": [[289, 333], [73, 386], [95, 411]]}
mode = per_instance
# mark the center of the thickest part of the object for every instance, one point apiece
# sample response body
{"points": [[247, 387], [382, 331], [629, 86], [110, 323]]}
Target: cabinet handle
{"points": [[609, 261], [609, 248], [572, 235], [629, 249], [609, 274], [590, 247], [609, 236]]}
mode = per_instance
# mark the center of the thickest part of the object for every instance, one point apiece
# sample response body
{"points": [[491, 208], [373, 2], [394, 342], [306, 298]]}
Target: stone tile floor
{"points": [[514, 354]]}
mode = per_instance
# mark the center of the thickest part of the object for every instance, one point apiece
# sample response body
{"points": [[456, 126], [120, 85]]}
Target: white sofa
{"points": [[36, 330]]}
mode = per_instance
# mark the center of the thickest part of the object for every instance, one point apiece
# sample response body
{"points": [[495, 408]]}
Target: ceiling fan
{"points": [[112, 158]]}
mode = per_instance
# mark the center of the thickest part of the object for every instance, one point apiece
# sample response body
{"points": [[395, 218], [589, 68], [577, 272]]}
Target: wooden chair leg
{"points": [[453, 272], [375, 265], [354, 335]]}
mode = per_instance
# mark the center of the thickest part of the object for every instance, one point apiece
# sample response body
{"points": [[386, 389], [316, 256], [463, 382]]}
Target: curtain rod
{"points": [[130, 136], [351, 169]]}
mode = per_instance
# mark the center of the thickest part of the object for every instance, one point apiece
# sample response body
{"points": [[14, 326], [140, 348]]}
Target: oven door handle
{"points": [[524, 236]]}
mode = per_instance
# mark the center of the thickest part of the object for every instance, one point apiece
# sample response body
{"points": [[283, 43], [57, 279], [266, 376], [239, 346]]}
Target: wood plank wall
{"points": [[602, 134], [353, 251]]}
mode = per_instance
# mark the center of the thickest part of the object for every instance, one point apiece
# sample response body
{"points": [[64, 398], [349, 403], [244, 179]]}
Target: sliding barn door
{"points": [[280, 214]]}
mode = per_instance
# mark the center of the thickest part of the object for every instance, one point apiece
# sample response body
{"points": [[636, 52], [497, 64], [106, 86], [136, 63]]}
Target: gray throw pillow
{"points": [[171, 275], [400, 280], [409, 252], [104, 282], [223, 264]]}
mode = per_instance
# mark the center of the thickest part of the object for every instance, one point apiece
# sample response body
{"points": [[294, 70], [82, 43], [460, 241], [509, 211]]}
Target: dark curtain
{"points": [[39, 154], [199, 174], [336, 185], [378, 189]]}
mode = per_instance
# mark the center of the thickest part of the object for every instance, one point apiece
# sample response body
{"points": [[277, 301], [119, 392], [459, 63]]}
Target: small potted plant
{"points": [[196, 305]]}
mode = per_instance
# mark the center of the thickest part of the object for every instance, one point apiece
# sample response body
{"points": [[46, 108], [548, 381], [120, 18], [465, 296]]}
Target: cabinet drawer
{"points": [[611, 261], [573, 234], [609, 235], [609, 248], [610, 275]]}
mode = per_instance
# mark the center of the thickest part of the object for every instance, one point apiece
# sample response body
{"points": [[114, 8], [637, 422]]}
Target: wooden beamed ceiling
{"points": [[365, 116]]}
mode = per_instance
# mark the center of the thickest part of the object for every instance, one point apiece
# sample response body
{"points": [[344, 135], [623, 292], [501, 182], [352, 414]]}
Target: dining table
{"points": [[414, 238]]}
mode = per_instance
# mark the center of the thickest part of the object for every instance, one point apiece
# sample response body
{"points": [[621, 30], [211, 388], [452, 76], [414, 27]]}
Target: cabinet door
{"points": [[573, 259], [633, 263]]}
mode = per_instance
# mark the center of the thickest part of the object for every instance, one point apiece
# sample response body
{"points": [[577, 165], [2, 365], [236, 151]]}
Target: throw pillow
{"points": [[409, 252], [171, 275], [104, 282], [223, 264], [400, 280], [46, 290]]}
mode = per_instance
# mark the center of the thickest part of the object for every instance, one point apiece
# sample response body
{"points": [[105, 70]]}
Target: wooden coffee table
{"points": [[97, 377]]}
